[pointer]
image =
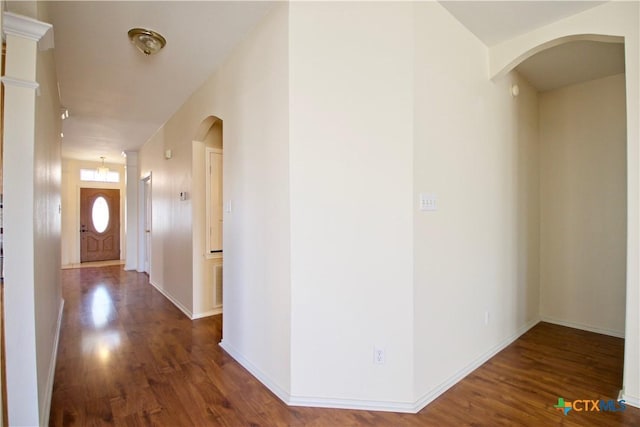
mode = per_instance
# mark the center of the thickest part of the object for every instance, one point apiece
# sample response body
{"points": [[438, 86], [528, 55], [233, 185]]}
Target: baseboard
{"points": [[431, 395], [44, 416], [174, 301], [372, 405], [581, 326], [309, 401], [365, 405], [256, 372], [629, 400], [212, 312]]}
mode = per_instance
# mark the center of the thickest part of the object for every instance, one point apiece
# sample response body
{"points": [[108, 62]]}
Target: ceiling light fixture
{"points": [[102, 170], [147, 41]]}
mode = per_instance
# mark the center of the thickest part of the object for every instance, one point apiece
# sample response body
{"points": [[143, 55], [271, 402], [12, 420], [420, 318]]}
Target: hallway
{"points": [[127, 356]]}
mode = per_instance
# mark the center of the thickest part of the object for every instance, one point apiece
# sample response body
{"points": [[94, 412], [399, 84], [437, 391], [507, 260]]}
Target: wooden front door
{"points": [[99, 224]]}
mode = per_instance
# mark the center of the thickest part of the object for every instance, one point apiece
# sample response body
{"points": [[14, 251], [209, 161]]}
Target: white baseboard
{"points": [[212, 312], [371, 405], [365, 405], [582, 326], [629, 400], [185, 310], [174, 301], [256, 372], [431, 395], [46, 411], [313, 401]]}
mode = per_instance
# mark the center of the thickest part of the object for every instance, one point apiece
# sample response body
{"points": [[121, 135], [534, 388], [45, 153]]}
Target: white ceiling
{"points": [[117, 97], [496, 21]]}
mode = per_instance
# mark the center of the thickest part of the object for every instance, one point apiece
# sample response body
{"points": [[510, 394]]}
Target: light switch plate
{"points": [[428, 202]]}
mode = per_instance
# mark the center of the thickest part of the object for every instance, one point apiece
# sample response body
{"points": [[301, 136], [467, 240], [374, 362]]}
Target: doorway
{"points": [[583, 183], [581, 122], [207, 204], [99, 224], [146, 225]]}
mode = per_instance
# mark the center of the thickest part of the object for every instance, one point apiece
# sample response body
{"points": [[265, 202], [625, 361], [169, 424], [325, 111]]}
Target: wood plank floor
{"points": [[128, 357]]}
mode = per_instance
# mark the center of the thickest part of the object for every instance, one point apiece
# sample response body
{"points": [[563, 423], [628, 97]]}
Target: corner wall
{"points": [[476, 257], [351, 92], [249, 92]]}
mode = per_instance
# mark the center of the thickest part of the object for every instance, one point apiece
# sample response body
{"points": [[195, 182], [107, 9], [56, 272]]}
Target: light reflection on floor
{"points": [[102, 341], [101, 306]]}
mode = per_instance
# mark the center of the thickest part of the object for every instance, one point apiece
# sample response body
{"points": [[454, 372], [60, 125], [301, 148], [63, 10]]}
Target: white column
{"points": [[22, 35], [132, 182]]}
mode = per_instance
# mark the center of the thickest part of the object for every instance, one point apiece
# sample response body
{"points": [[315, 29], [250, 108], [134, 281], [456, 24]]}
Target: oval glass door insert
{"points": [[100, 214]]}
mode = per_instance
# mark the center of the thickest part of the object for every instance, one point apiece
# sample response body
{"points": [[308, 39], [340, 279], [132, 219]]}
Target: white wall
{"points": [[583, 208], [351, 92], [71, 186], [337, 115], [250, 94], [47, 224], [171, 247], [621, 19], [476, 148]]}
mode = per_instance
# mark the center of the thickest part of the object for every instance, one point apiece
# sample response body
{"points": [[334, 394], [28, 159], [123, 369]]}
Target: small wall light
{"points": [[515, 90]]}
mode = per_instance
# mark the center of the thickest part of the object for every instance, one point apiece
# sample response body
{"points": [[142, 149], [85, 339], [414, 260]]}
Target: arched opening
{"points": [[500, 68], [208, 217], [582, 127]]}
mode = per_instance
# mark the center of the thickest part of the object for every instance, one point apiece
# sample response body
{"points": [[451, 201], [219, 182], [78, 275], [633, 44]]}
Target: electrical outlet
{"points": [[378, 356], [486, 317]]}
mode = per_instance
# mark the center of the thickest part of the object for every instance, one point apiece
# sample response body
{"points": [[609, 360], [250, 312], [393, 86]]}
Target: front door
{"points": [[99, 224]]}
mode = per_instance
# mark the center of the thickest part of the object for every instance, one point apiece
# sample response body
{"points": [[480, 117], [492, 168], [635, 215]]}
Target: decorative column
{"points": [[132, 182], [20, 88]]}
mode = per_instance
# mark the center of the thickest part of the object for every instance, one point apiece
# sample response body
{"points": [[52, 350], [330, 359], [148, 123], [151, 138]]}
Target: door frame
{"points": [[144, 246]]}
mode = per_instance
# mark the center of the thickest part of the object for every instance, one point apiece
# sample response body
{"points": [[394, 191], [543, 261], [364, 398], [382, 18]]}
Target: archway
{"points": [[500, 67], [207, 213], [507, 57]]}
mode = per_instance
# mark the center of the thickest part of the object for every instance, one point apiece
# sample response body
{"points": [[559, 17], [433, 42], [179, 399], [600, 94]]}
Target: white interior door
{"points": [[147, 225]]}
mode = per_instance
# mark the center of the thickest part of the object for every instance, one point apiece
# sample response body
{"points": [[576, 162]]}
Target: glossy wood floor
{"points": [[128, 357]]}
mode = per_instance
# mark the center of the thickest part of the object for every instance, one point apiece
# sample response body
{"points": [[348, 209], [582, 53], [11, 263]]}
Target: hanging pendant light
{"points": [[102, 170]]}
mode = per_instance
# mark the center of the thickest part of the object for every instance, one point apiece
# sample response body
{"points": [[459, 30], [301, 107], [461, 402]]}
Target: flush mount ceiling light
{"points": [[147, 41]]}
